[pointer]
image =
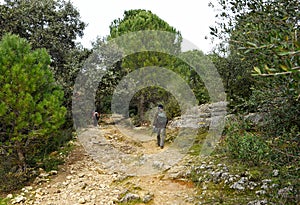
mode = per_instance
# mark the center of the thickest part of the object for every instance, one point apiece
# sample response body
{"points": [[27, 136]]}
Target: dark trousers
{"points": [[95, 121], [161, 135]]}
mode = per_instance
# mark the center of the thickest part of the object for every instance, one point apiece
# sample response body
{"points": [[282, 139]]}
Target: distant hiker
{"points": [[95, 117], [159, 125]]}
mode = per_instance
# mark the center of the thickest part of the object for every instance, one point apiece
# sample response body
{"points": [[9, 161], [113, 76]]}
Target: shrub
{"points": [[245, 145], [31, 111]]}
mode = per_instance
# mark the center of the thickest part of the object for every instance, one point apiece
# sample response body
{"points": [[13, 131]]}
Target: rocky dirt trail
{"points": [[114, 164], [110, 167]]}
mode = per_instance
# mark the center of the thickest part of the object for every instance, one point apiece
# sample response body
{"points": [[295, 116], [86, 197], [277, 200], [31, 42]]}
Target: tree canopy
{"points": [[49, 24], [139, 21], [53, 25], [262, 52]]}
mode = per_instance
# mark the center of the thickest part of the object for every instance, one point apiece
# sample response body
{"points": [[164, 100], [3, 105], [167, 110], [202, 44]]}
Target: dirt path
{"points": [[110, 167]]}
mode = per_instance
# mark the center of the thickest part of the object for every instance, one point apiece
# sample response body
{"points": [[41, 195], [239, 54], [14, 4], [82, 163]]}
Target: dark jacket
{"points": [[160, 119]]}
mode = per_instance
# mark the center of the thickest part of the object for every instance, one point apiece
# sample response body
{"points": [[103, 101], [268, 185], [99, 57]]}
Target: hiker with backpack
{"points": [[159, 125], [95, 118]]}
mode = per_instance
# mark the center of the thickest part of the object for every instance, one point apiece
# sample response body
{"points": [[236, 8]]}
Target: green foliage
{"points": [[11, 179], [270, 50], [52, 160], [250, 147], [142, 20], [3, 201], [150, 97], [49, 24], [263, 43], [194, 79], [53, 25], [273, 53], [171, 106], [31, 113], [139, 20], [285, 150], [199, 140], [134, 21], [278, 105], [109, 60], [237, 81], [281, 127], [244, 145], [263, 39]]}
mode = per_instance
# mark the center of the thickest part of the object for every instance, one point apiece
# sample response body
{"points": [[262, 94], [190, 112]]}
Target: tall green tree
{"points": [[31, 110], [194, 79], [237, 80], [53, 25], [135, 21], [264, 35]]}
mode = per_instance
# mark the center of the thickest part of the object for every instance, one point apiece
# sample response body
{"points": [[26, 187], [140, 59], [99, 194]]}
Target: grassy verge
{"points": [[212, 174], [3, 201], [14, 181]]}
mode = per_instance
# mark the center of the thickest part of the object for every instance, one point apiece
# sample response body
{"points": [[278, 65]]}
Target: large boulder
{"points": [[201, 116]]}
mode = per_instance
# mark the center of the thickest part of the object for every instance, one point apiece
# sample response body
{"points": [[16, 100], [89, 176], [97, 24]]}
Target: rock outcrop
{"points": [[201, 116]]}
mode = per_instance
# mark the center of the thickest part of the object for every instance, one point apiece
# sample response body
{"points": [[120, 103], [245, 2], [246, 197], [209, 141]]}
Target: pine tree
{"points": [[30, 106]]}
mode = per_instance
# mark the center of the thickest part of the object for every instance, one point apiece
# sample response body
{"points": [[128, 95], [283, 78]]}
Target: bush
{"points": [[245, 145], [286, 149], [31, 111]]}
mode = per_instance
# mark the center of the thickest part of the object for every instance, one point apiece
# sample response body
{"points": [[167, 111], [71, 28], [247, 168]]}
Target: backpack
{"points": [[161, 119]]}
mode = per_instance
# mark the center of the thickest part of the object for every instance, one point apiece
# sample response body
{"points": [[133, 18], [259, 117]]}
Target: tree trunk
{"points": [[141, 108], [21, 156]]}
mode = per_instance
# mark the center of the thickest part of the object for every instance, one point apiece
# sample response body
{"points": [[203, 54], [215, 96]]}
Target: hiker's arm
{"points": [[155, 120]]}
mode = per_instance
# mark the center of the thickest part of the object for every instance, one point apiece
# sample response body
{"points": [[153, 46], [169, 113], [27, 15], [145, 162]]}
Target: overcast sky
{"points": [[191, 17]]}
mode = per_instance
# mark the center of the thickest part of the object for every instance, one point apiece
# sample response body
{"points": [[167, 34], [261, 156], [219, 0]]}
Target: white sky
{"points": [[191, 17]]}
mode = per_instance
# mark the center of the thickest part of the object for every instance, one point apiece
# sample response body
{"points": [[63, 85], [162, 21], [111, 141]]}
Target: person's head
{"points": [[160, 107]]}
